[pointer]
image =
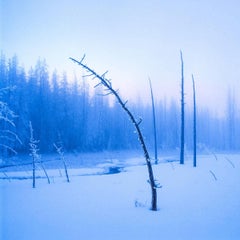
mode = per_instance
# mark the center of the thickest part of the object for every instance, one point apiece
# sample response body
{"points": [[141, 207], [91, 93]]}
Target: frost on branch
{"points": [[7, 136]]}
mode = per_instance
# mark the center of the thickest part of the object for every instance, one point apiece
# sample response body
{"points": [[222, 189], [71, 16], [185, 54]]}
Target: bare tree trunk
{"points": [[194, 125], [32, 144], [109, 90], [182, 113], [33, 172], [33, 153], [154, 124], [66, 171]]}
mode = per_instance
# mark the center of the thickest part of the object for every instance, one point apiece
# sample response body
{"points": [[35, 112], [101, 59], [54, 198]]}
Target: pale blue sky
{"points": [[133, 39]]}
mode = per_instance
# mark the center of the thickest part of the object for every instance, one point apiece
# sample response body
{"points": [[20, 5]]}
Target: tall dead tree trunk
{"points": [[109, 90], [154, 124], [182, 113], [33, 153], [194, 125]]}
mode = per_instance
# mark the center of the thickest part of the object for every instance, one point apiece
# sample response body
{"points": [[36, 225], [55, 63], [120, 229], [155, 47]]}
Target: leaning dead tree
{"points": [[106, 83]]}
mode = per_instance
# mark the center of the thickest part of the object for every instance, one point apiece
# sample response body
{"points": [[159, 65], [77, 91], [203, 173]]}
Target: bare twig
{"points": [[8, 147], [214, 176], [8, 178], [231, 163], [215, 156]]}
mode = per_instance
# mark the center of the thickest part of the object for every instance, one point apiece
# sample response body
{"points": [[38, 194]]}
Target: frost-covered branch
{"points": [[6, 90], [8, 147], [10, 135], [7, 116]]}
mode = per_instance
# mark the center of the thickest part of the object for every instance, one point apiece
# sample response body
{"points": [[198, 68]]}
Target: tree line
{"points": [[60, 109]]}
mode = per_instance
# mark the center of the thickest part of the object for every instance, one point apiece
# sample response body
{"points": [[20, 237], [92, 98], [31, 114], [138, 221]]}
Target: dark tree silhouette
{"points": [[106, 83]]}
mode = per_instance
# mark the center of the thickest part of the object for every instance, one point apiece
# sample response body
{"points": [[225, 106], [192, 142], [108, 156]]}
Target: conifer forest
{"points": [[69, 111]]}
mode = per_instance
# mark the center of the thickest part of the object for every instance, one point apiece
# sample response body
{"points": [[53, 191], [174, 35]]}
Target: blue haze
{"points": [[133, 40]]}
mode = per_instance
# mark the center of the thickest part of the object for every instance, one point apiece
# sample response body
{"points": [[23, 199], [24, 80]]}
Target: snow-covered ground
{"points": [[194, 203]]}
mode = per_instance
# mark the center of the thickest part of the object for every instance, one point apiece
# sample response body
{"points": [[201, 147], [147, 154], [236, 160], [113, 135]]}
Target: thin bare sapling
{"points": [[59, 148], [106, 83], [36, 157]]}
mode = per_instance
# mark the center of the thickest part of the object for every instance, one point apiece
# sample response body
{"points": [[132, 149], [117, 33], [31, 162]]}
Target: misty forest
{"points": [[86, 120], [72, 165], [119, 120]]}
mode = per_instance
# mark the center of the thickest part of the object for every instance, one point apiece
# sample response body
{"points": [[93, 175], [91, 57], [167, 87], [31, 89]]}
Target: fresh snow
{"points": [[194, 203]]}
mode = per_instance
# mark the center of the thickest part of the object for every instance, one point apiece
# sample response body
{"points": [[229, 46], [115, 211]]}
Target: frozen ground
{"points": [[194, 203]]}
